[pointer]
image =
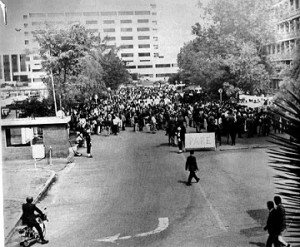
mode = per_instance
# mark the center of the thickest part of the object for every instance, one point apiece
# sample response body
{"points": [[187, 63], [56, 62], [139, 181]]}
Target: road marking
{"points": [[163, 224], [111, 239], [214, 212]]}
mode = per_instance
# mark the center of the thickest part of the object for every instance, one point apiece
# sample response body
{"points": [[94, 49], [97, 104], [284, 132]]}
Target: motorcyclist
{"points": [[29, 217]]}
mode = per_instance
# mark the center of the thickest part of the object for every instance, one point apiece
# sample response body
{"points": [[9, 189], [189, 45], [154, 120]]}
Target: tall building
{"points": [[287, 34], [132, 29]]}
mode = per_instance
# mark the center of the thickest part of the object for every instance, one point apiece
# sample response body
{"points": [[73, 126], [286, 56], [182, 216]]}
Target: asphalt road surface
{"points": [[133, 193]]}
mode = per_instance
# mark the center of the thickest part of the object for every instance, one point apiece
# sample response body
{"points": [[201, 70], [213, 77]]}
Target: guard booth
{"points": [[27, 138]]}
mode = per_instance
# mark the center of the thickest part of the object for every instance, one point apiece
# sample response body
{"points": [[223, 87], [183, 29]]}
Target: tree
{"points": [[230, 48], [81, 63]]}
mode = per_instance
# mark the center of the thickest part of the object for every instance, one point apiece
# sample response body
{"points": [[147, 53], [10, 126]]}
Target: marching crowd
{"points": [[163, 109]]}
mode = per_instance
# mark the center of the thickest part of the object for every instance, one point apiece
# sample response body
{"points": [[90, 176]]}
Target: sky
{"points": [[175, 18]]}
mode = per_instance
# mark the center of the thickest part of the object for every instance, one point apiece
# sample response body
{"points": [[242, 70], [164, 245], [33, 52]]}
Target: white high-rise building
{"points": [[131, 27]]}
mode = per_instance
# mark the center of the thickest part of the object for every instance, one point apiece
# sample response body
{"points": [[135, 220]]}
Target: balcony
{"points": [[282, 56], [288, 36], [289, 14]]}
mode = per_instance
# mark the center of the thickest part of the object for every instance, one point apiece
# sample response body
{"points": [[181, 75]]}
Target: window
{"points": [[26, 34], [146, 75], [144, 61], [127, 55], [154, 22], [126, 46], [25, 16], [55, 15], [73, 14], [1, 69], [142, 12], [154, 29], [154, 13], [26, 42], [91, 13], [17, 137], [36, 23], [131, 67], [162, 65], [125, 21], [145, 66], [37, 15], [92, 30], [36, 70], [144, 46], [143, 29], [25, 25], [109, 13], [110, 38], [144, 54], [143, 37], [108, 22], [109, 30], [143, 21], [126, 37], [156, 55], [125, 12], [155, 38], [14, 63], [91, 22], [127, 29], [155, 46]]}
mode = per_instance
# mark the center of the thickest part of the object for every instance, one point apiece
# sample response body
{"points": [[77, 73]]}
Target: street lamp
{"points": [[220, 92]]}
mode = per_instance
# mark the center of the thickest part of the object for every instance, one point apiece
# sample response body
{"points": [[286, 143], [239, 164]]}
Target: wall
{"points": [[55, 136]]}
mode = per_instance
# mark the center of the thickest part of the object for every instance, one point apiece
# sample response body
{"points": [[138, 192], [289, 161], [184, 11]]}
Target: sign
{"points": [[195, 141], [38, 151]]}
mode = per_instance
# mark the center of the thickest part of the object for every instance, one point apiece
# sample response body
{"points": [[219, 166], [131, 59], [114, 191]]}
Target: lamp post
{"points": [[220, 92]]}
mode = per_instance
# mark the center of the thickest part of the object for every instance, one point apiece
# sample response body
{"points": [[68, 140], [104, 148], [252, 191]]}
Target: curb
{"points": [[247, 147], [39, 196]]}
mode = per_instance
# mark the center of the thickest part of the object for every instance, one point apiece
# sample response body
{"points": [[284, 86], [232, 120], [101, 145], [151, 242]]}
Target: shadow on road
{"points": [[258, 244]]}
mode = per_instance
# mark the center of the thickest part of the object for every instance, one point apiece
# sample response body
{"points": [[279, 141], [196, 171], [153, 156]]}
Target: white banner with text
{"points": [[200, 141]]}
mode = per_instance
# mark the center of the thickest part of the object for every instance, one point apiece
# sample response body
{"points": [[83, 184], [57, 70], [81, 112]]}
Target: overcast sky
{"points": [[175, 18]]}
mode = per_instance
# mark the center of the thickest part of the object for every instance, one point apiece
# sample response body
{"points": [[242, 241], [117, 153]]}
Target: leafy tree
{"points": [[81, 63], [230, 48], [35, 107]]}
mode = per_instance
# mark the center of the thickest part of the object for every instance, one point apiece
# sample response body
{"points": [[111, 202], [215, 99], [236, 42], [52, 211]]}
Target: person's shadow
{"points": [[258, 244]]}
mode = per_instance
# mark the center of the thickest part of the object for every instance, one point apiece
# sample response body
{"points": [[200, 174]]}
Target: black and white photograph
{"points": [[150, 123]]}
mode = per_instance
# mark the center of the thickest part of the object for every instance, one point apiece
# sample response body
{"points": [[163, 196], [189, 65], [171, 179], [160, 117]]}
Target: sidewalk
{"points": [[21, 179]]}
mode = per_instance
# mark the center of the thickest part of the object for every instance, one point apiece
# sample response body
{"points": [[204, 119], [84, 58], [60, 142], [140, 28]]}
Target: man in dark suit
{"points": [[29, 217], [191, 166], [271, 226], [280, 220]]}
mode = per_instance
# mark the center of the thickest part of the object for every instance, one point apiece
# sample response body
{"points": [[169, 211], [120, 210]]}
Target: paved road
{"points": [[133, 193]]}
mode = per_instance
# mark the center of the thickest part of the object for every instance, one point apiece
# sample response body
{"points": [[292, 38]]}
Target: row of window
{"points": [[285, 7], [127, 29], [150, 66], [141, 46], [78, 14], [283, 47], [91, 22], [289, 26]]}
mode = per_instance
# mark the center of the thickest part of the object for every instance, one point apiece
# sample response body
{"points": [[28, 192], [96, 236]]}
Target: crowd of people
{"points": [[162, 108]]}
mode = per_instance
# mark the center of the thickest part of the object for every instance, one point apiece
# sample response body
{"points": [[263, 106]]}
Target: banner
{"points": [[195, 141]]}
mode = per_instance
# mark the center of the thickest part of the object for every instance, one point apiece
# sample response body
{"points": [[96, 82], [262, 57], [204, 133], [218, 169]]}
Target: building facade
{"points": [[287, 34]]}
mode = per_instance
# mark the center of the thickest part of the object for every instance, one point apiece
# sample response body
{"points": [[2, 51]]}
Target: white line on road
{"points": [[163, 224], [214, 212]]}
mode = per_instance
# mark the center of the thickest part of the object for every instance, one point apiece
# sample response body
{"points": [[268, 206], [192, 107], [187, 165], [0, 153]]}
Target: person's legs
{"points": [[39, 229], [282, 241]]}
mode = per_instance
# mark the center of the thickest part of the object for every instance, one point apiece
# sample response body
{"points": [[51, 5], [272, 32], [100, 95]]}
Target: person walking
{"points": [[191, 166], [271, 225], [280, 220]]}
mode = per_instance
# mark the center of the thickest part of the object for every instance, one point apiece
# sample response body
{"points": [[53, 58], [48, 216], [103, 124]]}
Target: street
{"points": [[133, 193]]}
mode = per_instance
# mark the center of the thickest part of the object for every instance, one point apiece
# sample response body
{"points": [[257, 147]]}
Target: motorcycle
{"points": [[29, 235]]}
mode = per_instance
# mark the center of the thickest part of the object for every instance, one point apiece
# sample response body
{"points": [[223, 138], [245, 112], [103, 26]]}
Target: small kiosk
{"points": [[27, 138]]}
